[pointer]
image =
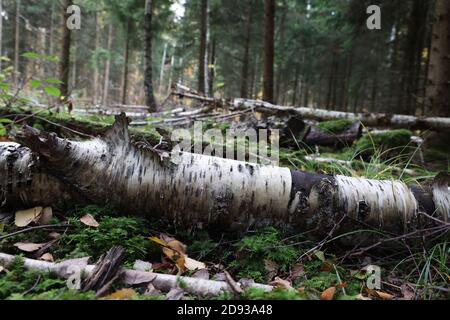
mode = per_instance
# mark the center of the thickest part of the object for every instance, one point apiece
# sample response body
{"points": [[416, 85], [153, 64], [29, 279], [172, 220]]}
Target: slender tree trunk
{"points": [[161, 71], [1, 32], [247, 43], [212, 68], [203, 47], [148, 77], [96, 66], [438, 91], [269, 49], [294, 94], [107, 66], [281, 53], [64, 66], [17, 43], [169, 83], [126, 57], [52, 30]]}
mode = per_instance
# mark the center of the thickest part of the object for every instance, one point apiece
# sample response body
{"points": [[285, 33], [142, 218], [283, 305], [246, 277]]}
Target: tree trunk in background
{"points": [[269, 49], [107, 66], [172, 64], [64, 65], [148, 77], [161, 71], [279, 77], [96, 66], [212, 68], [52, 30], [247, 43], [202, 67], [126, 58], [17, 43], [438, 91], [1, 32]]}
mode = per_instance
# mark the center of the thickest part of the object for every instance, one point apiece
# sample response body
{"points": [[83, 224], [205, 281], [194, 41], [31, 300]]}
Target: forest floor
{"points": [[299, 266]]}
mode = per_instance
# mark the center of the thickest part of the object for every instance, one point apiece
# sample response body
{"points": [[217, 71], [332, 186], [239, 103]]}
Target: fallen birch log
{"points": [[162, 282], [193, 189], [368, 119]]}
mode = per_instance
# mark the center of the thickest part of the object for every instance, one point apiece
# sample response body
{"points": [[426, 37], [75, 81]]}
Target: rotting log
{"points": [[316, 136], [193, 189], [367, 119], [163, 282]]}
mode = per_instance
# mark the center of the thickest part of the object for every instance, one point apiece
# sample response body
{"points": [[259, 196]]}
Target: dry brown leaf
{"points": [[328, 294], [46, 216], [282, 284], [297, 271], [90, 221], [271, 268], [123, 294], [47, 257], [379, 294], [28, 246], [25, 217]]}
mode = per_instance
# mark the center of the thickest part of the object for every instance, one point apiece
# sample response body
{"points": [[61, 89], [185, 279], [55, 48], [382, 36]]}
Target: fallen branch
{"points": [[368, 119], [163, 282]]}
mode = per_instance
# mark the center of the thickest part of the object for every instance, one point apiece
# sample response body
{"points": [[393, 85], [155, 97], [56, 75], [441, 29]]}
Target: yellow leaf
{"points": [[25, 217], [90, 221], [158, 241], [123, 294], [328, 294], [47, 257]]}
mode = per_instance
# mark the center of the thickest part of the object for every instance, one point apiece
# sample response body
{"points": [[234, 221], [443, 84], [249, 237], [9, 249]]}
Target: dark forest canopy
{"points": [[324, 54]]}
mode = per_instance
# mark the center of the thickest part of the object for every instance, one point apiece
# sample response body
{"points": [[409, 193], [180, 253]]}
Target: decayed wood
{"points": [[192, 189], [316, 136], [163, 282], [368, 119]]}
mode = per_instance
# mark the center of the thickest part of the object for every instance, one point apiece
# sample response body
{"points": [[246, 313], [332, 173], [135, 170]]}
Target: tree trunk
{"points": [[269, 49], [317, 137], [193, 189], [107, 66], [96, 87], [148, 77], [161, 71], [202, 67], [247, 42], [281, 52], [438, 91], [17, 43], [1, 33], [64, 65], [212, 69], [126, 57]]}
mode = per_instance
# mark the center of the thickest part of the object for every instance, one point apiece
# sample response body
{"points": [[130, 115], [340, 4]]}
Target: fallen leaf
{"points": [[175, 294], [320, 255], [379, 294], [134, 277], [47, 257], [46, 216], [328, 294], [151, 291], [123, 294], [271, 268], [142, 266], [362, 298], [193, 265], [54, 235], [407, 292], [201, 274], [89, 221], [282, 284], [158, 241], [25, 217], [297, 271], [28, 246], [1, 269]]}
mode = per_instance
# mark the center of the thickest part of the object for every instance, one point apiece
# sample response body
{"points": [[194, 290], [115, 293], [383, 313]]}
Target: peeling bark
{"points": [[192, 189]]}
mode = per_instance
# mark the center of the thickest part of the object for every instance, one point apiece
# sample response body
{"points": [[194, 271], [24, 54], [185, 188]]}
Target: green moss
{"points": [[276, 294], [390, 142], [334, 126]]}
